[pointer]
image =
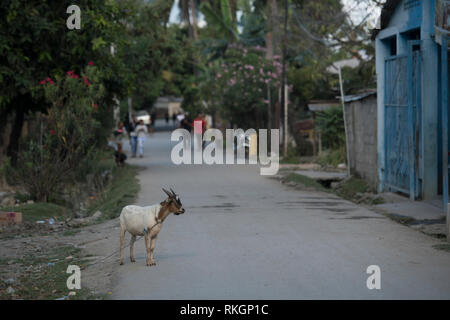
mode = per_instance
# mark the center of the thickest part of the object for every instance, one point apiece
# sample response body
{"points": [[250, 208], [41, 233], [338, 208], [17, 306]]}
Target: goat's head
{"points": [[173, 202]]}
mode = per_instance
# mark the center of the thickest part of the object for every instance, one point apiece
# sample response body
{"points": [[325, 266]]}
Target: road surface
{"points": [[245, 236]]}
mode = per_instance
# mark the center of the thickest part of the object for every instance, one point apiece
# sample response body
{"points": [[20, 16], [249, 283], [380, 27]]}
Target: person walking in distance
{"points": [[133, 136], [166, 116], [174, 118], [141, 132], [198, 131], [119, 134]]}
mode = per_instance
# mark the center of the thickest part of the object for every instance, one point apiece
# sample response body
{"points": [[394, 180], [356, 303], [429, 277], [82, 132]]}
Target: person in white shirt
{"points": [[133, 136], [141, 131]]}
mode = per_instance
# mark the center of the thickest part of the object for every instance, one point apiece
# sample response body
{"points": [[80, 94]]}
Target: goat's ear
{"points": [[167, 192]]}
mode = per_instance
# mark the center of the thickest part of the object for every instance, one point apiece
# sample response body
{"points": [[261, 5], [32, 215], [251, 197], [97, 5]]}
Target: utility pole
{"points": [[345, 123], [130, 109], [286, 101], [283, 80]]}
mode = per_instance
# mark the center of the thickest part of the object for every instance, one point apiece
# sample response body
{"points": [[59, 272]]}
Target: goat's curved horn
{"points": [[173, 192], [167, 192]]}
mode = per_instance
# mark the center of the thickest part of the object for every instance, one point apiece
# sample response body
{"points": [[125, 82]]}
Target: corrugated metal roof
{"points": [[322, 105], [356, 97]]}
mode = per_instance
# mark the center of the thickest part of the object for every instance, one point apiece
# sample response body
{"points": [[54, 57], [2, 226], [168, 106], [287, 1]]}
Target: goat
{"points": [[147, 222]]}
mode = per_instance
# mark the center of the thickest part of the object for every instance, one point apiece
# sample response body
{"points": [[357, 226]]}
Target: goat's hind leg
{"points": [[132, 241], [122, 239]]}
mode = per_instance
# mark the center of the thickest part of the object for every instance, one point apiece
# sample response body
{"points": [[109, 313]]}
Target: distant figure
{"points": [[180, 117], [174, 118], [201, 118], [119, 134], [153, 118], [166, 116], [133, 136], [185, 123], [120, 156], [141, 131], [198, 139]]}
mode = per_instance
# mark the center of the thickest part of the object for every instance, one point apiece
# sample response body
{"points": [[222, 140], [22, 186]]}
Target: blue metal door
{"points": [[402, 123], [445, 120]]}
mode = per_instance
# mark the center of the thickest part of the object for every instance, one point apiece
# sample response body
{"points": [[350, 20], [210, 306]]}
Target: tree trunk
{"points": [[275, 27], [276, 122], [194, 19], [16, 132], [186, 17], [269, 35], [269, 108]]}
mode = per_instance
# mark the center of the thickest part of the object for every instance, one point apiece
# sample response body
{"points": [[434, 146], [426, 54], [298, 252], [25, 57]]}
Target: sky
{"points": [[359, 9]]}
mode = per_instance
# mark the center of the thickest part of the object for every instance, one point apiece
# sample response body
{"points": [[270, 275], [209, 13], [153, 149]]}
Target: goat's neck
{"points": [[163, 212]]}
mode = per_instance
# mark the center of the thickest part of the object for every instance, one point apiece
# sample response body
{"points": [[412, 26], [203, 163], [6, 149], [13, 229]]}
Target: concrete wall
{"points": [[361, 120]]}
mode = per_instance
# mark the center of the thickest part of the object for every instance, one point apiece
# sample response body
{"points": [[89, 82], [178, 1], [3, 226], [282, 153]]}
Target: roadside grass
{"points": [[351, 187], [71, 232], [34, 277], [38, 211], [305, 181], [443, 246], [332, 157], [122, 191], [44, 276], [291, 159], [400, 219]]}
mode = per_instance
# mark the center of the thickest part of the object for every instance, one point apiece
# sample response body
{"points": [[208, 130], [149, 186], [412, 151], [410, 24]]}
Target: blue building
{"points": [[412, 75]]}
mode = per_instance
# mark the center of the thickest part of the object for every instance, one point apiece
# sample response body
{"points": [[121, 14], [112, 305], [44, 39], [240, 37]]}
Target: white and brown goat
{"points": [[147, 222]]}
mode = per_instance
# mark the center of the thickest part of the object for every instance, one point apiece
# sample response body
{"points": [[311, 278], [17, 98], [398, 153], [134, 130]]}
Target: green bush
{"points": [[330, 123], [54, 156], [332, 157]]}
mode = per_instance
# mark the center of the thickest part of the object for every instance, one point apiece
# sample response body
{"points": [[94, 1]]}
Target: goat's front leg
{"points": [[132, 241], [147, 248], [152, 249]]}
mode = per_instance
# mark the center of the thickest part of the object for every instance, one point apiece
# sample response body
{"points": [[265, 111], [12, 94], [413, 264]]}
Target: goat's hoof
{"points": [[121, 263], [132, 260], [150, 264]]}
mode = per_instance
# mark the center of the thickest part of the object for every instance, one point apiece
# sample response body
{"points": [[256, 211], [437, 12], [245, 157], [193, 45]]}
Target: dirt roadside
{"points": [[33, 267]]}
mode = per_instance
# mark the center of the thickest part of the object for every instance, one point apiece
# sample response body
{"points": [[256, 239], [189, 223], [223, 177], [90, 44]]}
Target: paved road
{"points": [[245, 236]]}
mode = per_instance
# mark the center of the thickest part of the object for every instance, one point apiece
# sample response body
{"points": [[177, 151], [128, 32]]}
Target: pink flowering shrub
{"points": [[238, 85]]}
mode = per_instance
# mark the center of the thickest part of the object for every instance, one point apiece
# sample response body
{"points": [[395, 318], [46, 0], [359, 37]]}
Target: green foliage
{"points": [[35, 42], [332, 157], [351, 187], [293, 156], [330, 123], [39, 211], [121, 192], [155, 56], [67, 138]]}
